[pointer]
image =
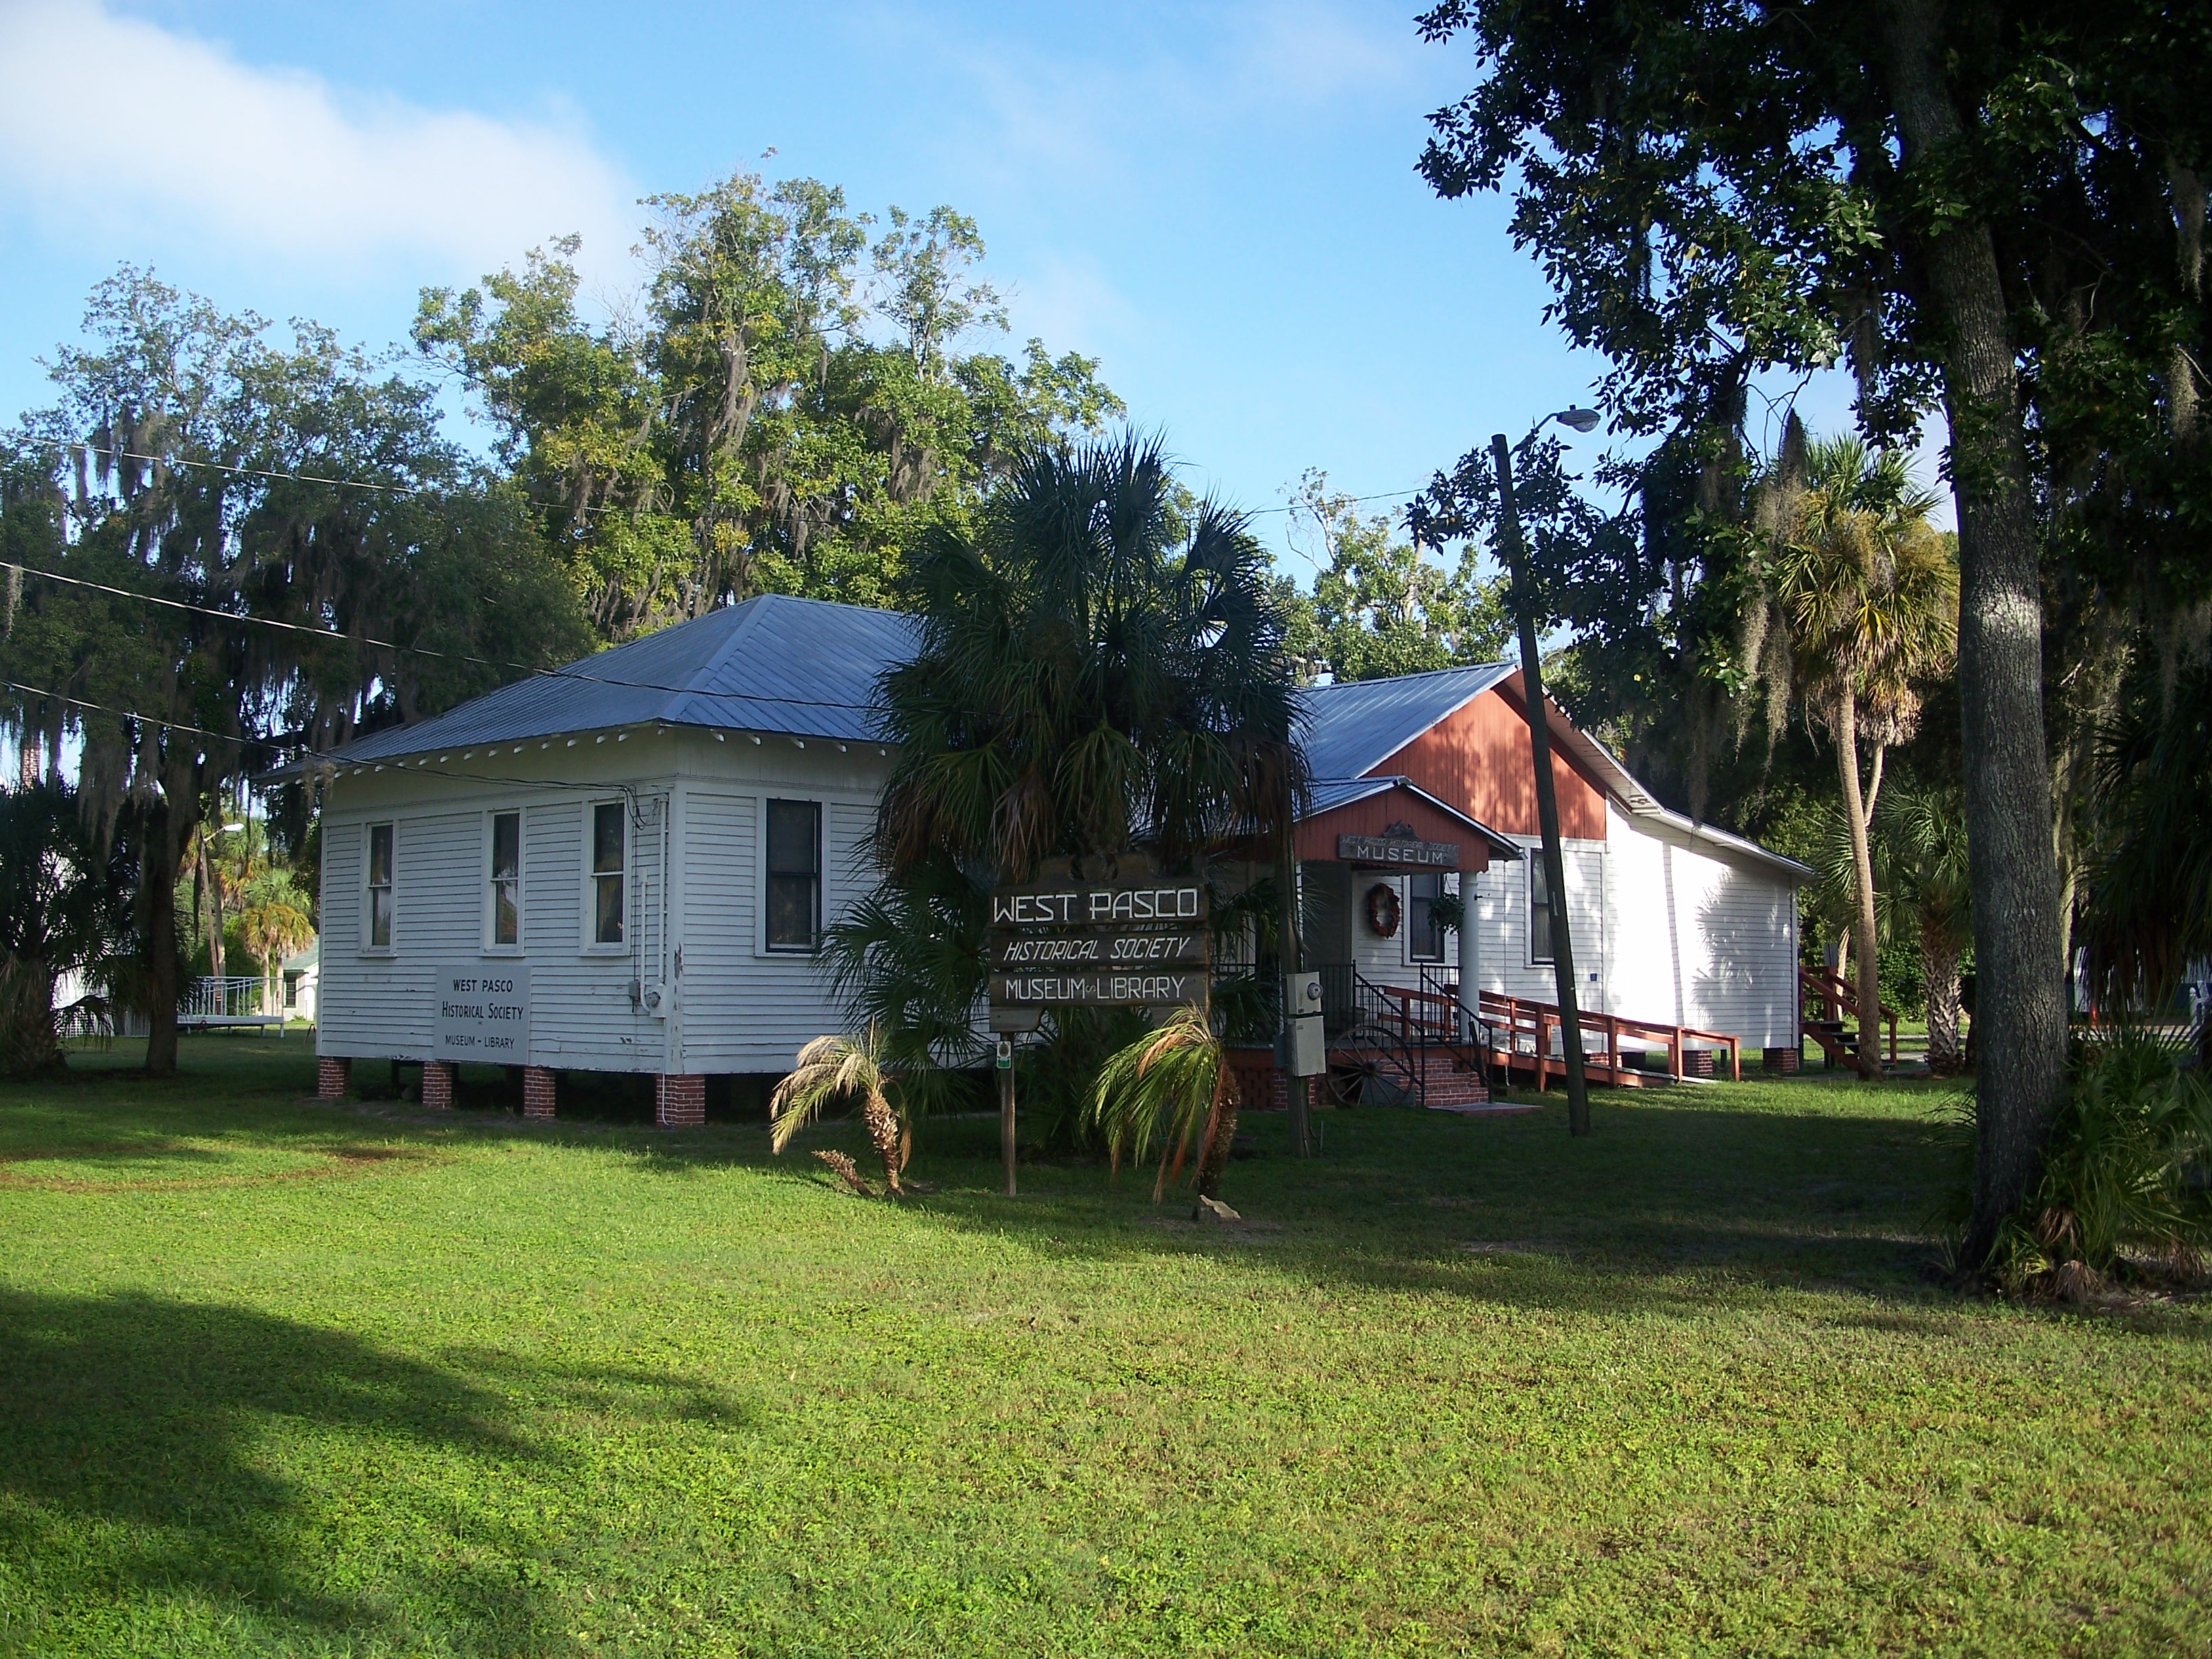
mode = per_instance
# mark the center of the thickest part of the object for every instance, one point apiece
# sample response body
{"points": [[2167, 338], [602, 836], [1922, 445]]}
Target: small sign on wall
{"points": [[484, 1014]]}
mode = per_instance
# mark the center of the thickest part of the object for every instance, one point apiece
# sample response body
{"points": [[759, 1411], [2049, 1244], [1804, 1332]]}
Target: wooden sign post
{"points": [[1098, 932]]}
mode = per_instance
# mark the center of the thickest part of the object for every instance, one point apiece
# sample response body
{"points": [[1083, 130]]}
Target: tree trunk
{"points": [[158, 862], [1939, 967], [1862, 921], [2020, 1025], [1213, 1157], [882, 1124]]}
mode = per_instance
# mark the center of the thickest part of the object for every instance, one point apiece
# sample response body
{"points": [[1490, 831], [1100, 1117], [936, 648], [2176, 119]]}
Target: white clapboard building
{"points": [[626, 865]]}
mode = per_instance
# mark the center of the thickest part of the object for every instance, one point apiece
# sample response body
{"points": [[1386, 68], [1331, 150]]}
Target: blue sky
{"points": [[1219, 201]]}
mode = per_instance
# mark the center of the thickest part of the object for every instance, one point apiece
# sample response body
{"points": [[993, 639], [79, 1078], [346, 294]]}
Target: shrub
{"points": [[2126, 1187]]}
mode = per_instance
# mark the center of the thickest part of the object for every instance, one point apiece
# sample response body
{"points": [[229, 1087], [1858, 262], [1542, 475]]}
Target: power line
{"points": [[423, 766], [296, 477], [427, 651], [428, 490], [1387, 496]]}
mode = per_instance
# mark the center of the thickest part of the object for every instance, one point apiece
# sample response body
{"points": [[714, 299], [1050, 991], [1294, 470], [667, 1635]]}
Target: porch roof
{"points": [[1358, 806]]}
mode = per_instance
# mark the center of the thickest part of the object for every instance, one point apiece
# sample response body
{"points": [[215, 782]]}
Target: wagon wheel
{"points": [[1370, 1066]]}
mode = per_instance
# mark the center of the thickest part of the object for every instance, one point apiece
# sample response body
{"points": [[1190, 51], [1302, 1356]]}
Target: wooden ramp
{"points": [[1520, 1040]]}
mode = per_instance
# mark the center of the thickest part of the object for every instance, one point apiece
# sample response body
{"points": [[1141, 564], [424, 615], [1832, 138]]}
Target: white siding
{"points": [[383, 1004], [1698, 939], [582, 1015], [744, 1009], [1502, 906]]}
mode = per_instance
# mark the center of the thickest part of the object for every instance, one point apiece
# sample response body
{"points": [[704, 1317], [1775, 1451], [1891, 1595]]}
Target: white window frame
{"points": [[1535, 860], [587, 924], [1443, 957], [390, 947], [492, 947], [821, 876]]}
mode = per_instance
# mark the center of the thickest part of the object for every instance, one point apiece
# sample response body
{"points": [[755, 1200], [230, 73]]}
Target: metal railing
{"points": [[232, 1000]]}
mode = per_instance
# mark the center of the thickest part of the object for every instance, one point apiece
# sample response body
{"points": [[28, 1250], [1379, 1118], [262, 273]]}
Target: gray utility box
{"points": [[1305, 1053]]}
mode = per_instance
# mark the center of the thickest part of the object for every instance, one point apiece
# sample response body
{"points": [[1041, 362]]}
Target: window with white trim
{"points": [[794, 874], [610, 860], [1540, 909], [379, 910], [1425, 939], [503, 882]]}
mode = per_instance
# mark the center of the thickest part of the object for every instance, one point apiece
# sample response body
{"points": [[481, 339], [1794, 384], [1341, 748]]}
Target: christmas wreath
{"points": [[1382, 909]]}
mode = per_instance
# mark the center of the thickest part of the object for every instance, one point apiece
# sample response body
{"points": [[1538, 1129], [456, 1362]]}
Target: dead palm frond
{"points": [[831, 1068]]}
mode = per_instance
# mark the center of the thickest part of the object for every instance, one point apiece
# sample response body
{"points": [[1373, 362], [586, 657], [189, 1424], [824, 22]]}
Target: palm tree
{"points": [[1925, 832], [1103, 666], [1171, 1088], [2149, 914], [837, 1068], [273, 931], [64, 906], [1860, 609]]}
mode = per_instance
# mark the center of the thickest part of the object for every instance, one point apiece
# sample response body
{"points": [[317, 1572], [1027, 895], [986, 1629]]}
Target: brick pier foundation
{"points": [[333, 1076], [438, 1085], [538, 1092], [679, 1102], [1780, 1062]]}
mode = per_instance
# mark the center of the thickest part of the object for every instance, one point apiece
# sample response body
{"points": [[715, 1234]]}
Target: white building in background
{"points": [[626, 866]]}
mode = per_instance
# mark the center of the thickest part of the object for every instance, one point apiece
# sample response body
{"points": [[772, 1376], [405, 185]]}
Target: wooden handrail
{"points": [[1838, 999], [1523, 1016]]}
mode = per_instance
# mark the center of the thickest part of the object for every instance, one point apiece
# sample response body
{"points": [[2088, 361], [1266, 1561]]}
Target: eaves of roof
{"points": [[773, 664], [1328, 794], [1619, 782]]}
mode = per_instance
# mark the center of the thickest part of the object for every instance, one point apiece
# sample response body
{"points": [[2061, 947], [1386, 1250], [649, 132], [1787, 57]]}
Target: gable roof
{"points": [[1351, 729], [1327, 794], [805, 667]]}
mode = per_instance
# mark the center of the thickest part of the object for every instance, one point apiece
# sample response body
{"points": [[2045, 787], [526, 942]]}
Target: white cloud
{"points": [[1319, 55], [112, 126]]}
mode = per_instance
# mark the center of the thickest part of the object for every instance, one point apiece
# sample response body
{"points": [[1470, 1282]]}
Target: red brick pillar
{"points": [[538, 1092], [437, 1084], [333, 1074], [679, 1102], [1781, 1061]]}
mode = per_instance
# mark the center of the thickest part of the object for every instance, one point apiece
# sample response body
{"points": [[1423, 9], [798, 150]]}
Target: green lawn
{"points": [[281, 1378]]}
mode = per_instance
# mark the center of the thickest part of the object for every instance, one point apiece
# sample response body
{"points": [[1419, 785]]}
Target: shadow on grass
{"points": [[129, 1465]]}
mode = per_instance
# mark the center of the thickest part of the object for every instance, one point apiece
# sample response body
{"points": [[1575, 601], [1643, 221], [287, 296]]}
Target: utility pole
{"points": [[1547, 798], [1300, 1088]]}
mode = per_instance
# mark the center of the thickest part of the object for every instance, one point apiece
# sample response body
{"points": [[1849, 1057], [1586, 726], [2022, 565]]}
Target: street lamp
{"points": [[1539, 738]]}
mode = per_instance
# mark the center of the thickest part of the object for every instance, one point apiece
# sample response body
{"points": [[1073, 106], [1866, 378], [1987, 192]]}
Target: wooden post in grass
{"points": [[1006, 1110]]}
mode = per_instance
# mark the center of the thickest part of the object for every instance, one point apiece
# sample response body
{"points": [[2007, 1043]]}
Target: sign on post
{"points": [[484, 1014], [1097, 933]]}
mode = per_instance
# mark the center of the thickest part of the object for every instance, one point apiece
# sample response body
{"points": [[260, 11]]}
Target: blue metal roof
{"points": [[806, 667], [1350, 730]]}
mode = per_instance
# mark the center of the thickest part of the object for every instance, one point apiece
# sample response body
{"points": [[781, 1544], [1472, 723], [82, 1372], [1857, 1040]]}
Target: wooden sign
{"points": [[1098, 932], [1098, 990], [1096, 947], [483, 1013], [1398, 850]]}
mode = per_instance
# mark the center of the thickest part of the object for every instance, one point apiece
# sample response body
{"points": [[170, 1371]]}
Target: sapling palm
{"points": [[832, 1068], [1172, 1089]]}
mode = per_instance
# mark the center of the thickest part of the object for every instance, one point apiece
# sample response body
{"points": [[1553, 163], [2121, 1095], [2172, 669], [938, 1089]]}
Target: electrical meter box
{"points": [[1306, 1052]]}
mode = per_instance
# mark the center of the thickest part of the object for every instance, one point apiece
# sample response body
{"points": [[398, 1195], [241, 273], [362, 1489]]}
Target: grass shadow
{"points": [[132, 1456]]}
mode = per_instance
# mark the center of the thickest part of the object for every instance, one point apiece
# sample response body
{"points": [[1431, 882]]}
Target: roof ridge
{"points": [[1418, 674]]}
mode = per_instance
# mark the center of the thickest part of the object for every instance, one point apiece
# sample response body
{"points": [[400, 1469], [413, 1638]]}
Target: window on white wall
{"points": [[1424, 937], [378, 911], [794, 874], [503, 891], [610, 851], [1540, 909]]}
